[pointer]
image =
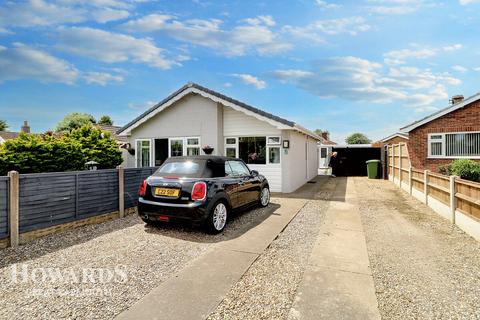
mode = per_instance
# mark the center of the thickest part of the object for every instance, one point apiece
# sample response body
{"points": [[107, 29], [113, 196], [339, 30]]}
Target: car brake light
{"points": [[199, 191], [143, 188]]}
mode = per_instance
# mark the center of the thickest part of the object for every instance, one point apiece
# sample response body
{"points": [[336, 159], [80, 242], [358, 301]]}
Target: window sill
{"points": [[450, 157]]}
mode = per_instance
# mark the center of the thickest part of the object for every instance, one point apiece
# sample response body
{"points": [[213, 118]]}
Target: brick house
{"points": [[449, 134]]}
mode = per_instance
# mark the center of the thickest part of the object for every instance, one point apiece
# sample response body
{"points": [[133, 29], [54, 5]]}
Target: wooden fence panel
{"points": [[97, 192], [468, 198], [439, 187], [133, 178], [418, 179], [4, 185], [46, 199]]}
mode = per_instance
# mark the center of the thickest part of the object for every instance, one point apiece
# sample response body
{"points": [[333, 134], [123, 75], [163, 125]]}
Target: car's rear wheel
{"points": [[264, 197], [217, 219]]}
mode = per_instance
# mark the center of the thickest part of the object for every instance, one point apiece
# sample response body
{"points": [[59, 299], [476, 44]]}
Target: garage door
{"points": [[351, 160]]}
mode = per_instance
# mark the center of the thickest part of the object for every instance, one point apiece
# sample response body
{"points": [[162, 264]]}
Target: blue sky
{"points": [[344, 66]]}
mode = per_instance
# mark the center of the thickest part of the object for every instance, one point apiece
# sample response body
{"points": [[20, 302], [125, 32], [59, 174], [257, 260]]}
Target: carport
{"points": [[351, 159]]}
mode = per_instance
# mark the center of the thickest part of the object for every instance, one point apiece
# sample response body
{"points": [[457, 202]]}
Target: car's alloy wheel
{"points": [[219, 216], [265, 197]]}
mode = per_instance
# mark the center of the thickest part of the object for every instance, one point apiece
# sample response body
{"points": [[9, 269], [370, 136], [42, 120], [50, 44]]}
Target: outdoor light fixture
{"points": [[286, 144]]}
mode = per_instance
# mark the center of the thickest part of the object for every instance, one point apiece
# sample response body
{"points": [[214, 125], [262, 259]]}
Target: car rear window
{"points": [[182, 167], [191, 168]]}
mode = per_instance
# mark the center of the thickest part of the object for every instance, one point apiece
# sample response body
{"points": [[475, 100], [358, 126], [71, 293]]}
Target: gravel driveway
{"points": [[139, 257], [268, 288], [423, 267]]}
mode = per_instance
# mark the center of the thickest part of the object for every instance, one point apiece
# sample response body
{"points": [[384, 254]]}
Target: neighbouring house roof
{"points": [[7, 135], [440, 113], [191, 87], [397, 134], [328, 143], [113, 131]]}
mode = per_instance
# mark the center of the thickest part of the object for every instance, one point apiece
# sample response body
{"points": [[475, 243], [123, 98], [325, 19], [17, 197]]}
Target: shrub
{"points": [[445, 169], [46, 153], [466, 169]]}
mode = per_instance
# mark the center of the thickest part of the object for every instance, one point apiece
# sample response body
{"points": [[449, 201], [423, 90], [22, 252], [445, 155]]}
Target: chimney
{"points": [[25, 127], [456, 99], [326, 135]]}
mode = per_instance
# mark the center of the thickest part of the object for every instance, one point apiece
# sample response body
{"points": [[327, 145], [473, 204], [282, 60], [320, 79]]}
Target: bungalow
{"points": [[451, 133], [7, 135], [195, 116]]}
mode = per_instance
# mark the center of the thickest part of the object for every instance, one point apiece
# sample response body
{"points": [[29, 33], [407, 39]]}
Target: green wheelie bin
{"points": [[373, 169]]}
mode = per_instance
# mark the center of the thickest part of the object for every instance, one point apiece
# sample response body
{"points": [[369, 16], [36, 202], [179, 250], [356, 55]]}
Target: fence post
{"points": [[14, 205], [393, 163], [453, 199], [425, 185], [400, 165], [410, 180], [121, 191]]}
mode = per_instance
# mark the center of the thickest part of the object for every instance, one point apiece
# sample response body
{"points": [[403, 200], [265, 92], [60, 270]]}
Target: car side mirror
{"points": [[254, 173]]}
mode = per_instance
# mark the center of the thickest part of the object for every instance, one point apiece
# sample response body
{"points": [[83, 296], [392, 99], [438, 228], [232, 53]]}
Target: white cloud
{"points": [[23, 62], [38, 13], [453, 47], [252, 35], [399, 56], [396, 7], [467, 2], [327, 5], [318, 29], [106, 15], [30, 13], [101, 78], [227, 84], [251, 80], [459, 68], [361, 80], [112, 47]]}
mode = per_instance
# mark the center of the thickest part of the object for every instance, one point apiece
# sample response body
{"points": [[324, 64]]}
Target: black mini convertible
{"points": [[201, 189]]}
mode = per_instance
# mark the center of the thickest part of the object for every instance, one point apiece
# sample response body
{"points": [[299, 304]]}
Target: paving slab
{"points": [[195, 291], [338, 283]]}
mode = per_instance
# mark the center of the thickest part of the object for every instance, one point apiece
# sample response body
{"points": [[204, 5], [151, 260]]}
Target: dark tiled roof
{"points": [[7, 135], [113, 131], [214, 93], [453, 107]]}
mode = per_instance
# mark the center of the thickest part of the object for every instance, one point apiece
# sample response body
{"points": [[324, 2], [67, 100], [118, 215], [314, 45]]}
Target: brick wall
{"points": [[464, 119]]}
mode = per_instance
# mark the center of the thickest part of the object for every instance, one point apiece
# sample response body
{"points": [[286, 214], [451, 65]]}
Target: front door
{"points": [[323, 162], [161, 151]]}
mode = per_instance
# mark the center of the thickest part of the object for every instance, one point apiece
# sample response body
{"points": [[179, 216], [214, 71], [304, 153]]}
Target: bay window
{"points": [[252, 150], [454, 145]]}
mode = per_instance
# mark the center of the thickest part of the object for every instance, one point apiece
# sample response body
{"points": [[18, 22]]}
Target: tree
{"points": [[97, 145], [357, 138], [53, 153], [318, 132], [106, 120], [75, 120], [3, 125]]}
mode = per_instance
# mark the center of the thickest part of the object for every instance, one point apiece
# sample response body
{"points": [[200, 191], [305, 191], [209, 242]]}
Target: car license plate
{"points": [[167, 192]]}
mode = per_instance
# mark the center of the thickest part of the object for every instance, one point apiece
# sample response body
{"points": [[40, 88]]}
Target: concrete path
{"points": [[338, 282], [195, 291]]}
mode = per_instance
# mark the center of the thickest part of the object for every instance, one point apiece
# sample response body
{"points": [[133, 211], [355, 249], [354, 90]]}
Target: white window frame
{"points": [[184, 145], [268, 154], [274, 143], [231, 146], [137, 151], [443, 141]]}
